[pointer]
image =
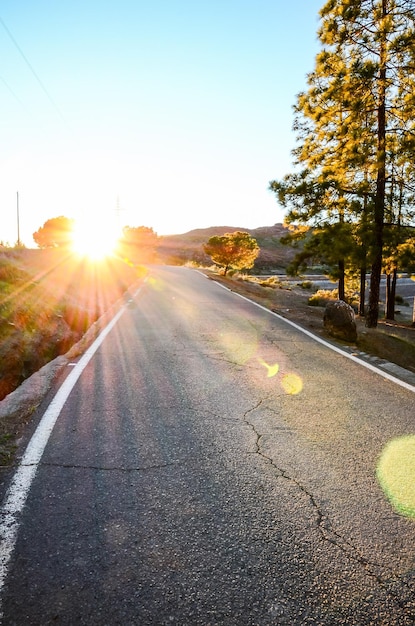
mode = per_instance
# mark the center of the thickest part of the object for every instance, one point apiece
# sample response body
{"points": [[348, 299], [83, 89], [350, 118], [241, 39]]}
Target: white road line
{"points": [[18, 490], [356, 359]]}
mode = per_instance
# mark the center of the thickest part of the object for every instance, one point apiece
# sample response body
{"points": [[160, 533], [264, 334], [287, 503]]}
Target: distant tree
{"points": [[55, 233], [138, 244], [236, 250]]}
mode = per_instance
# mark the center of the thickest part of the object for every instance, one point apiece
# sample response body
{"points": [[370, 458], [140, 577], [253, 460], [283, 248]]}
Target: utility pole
{"points": [[18, 219], [118, 210]]}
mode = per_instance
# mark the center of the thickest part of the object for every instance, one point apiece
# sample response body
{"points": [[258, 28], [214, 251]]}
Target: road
{"points": [[214, 465]]}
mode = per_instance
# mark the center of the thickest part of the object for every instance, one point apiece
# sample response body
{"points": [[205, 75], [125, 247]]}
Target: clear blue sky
{"points": [[178, 112]]}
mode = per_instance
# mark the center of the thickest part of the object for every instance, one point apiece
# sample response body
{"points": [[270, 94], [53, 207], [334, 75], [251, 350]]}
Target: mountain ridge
{"points": [[187, 247]]}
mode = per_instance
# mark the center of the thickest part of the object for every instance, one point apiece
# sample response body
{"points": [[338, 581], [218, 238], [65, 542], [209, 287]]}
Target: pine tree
{"points": [[379, 38], [358, 110]]}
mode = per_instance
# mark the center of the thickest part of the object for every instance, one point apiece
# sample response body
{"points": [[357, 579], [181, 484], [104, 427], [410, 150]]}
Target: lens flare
{"points": [[155, 283], [396, 474], [239, 344], [238, 347], [272, 370], [292, 384], [94, 241]]}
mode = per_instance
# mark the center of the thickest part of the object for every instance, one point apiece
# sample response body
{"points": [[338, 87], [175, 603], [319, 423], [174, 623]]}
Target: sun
{"points": [[93, 240]]}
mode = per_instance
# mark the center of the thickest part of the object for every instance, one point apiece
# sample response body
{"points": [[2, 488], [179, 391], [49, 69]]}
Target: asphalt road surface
{"points": [[214, 465]]}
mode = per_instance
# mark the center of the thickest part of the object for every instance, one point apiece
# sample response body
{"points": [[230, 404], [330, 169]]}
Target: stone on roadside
{"points": [[339, 321]]}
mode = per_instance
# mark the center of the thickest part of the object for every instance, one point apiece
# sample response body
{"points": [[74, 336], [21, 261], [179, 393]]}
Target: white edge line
{"points": [[356, 359], [18, 490]]}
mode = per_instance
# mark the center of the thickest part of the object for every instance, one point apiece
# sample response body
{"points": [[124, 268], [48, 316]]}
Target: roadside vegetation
{"points": [[350, 198], [49, 298]]}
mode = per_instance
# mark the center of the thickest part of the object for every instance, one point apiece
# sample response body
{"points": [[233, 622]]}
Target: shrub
{"points": [[272, 282], [322, 297], [399, 300]]}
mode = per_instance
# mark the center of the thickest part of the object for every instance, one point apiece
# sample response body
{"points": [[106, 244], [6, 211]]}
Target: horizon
{"points": [[224, 227]]}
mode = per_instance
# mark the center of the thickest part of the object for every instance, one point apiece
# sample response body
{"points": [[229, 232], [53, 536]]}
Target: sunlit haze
{"points": [[95, 240], [169, 114]]}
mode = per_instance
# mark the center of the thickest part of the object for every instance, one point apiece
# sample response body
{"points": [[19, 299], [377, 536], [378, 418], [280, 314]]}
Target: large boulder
{"points": [[339, 321]]}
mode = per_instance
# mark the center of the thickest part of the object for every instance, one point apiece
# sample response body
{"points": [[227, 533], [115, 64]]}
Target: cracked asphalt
{"points": [[214, 465]]}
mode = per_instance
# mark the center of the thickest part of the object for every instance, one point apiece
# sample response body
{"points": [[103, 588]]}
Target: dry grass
{"points": [[48, 300]]}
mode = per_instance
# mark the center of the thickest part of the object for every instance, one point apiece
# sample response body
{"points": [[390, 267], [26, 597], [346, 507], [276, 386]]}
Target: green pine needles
{"points": [[353, 185]]}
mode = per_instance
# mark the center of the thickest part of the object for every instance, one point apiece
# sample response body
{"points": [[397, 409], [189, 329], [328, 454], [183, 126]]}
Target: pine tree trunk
{"points": [[341, 287], [362, 291], [379, 209], [391, 293], [389, 302], [373, 309], [387, 293]]}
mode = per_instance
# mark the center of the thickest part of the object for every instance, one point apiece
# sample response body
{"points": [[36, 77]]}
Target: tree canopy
{"points": [[56, 232], [236, 250], [356, 133], [138, 244]]}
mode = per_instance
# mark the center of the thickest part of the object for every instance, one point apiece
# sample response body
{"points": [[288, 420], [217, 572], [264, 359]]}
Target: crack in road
{"points": [[113, 468], [323, 523]]}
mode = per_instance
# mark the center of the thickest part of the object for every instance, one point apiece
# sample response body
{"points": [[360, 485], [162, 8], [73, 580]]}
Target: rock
{"points": [[339, 321]]}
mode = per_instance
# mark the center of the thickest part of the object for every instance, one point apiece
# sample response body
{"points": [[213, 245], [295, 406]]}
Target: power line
{"points": [[31, 68], [15, 96]]}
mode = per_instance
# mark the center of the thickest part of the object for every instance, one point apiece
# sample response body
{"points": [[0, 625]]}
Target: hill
{"points": [[274, 256]]}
